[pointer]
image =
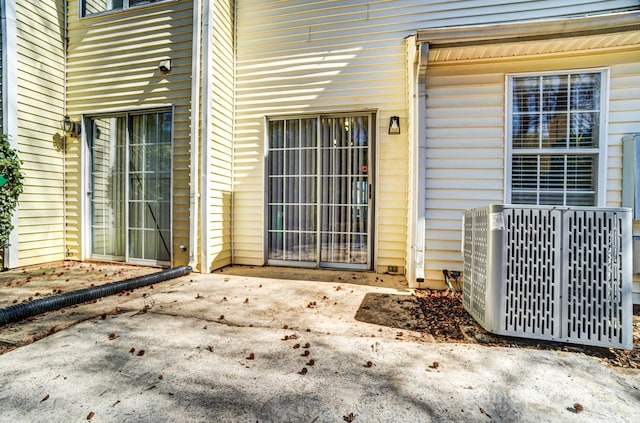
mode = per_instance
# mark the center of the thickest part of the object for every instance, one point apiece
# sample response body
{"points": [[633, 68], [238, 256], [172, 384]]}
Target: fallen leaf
{"points": [[578, 407], [349, 417], [90, 415]]}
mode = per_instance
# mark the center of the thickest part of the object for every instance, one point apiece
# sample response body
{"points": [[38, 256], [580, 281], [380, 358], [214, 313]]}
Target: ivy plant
{"points": [[10, 187]]}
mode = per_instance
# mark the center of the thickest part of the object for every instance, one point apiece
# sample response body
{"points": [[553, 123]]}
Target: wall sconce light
{"points": [[71, 127], [165, 66], [394, 125]]}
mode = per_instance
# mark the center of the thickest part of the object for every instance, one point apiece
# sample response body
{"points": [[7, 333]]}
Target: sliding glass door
{"points": [[319, 190], [131, 187]]}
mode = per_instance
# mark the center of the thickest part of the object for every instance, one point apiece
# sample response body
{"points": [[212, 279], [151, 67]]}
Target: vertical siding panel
{"points": [[113, 65], [40, 94], [220, 153]]}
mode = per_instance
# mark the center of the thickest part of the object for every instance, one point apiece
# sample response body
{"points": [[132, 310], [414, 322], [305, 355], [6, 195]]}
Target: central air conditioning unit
{"points": [[551, 273]]}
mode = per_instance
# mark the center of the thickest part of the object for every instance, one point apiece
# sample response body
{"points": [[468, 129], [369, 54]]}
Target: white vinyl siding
{"points": [[113, 66], [299, 57], [40, 140], [220, 154], [624, 118], [466, 133]]}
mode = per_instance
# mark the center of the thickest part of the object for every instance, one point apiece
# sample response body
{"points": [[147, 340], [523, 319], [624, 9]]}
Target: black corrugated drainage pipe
{"points": [[22, 311]]}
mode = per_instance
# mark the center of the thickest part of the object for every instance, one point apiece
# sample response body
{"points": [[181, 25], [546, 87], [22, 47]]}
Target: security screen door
{"points": [[319, 191], [131, 187]]}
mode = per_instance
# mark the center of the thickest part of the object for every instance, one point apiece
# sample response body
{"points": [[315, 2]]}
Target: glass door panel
{"points": [[150, 187], [131, 187], [345, 194], [318, 192], [107, 179]]}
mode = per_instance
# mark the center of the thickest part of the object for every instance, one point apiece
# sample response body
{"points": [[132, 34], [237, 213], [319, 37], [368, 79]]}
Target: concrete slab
{"points": [[230, 348]]}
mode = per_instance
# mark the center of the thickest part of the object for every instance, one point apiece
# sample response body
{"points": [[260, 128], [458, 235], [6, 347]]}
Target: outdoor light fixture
{"points": [[70, 127], [165, 66], [394, 125]]}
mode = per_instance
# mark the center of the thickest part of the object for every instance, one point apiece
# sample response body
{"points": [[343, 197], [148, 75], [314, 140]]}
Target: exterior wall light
{"points": [[394, 125], [165, 66], [71, 127]]}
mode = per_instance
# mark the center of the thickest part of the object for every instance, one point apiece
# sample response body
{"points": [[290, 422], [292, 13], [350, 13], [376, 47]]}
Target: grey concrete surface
{"points": [[214, 348]]}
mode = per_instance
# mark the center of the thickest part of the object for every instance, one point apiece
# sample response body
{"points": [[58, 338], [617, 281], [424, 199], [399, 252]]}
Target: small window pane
{"points": [[90, 7], [525, 172], [141, 2], [97, 6]]}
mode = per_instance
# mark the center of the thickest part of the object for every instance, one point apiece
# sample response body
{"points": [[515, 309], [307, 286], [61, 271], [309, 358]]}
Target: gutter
{"points": [[510, 32], [194, 193]]}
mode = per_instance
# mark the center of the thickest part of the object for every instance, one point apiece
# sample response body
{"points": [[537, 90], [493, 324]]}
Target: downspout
{"points": [[17, 312], [233, 129], [419, 160], [194, 193], [205, 266], [65, 49], [10, 106]]}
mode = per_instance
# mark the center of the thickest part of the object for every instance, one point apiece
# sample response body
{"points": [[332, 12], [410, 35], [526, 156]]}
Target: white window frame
{"points": [[125, 6], [601, 181]]}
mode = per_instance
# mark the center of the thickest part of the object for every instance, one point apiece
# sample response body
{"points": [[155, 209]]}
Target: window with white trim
{"points": [[92, 7], [554, 130]]}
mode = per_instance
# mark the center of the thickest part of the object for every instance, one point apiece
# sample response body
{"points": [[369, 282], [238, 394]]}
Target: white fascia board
{"points": [[530, 30]]}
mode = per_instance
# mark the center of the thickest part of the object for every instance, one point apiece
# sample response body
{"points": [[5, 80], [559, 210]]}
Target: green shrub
{"points": [[11, 187]]}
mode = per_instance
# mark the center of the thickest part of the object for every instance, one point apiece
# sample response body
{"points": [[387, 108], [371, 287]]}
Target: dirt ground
{"points": [[442, 315], [438, 315]]}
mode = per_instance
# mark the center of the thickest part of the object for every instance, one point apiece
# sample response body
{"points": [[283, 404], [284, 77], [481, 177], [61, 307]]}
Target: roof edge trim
{"points": [[459, 36]]}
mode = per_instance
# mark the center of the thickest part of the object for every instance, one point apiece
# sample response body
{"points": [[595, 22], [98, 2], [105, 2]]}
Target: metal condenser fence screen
{"points": [[553, 273]]}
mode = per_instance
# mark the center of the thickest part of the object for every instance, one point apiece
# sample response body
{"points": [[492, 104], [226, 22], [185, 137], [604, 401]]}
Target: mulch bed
{"points": [[443, 316]]}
